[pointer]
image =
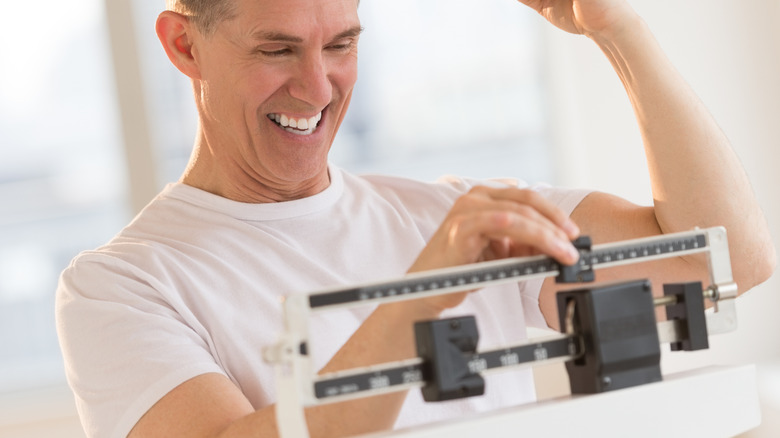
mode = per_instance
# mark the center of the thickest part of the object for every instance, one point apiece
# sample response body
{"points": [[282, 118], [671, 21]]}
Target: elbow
{"points": [[769, 264], [757, 265]]}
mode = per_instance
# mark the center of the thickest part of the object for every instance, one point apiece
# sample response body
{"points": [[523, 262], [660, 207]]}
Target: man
{"points": [[162, 329]]}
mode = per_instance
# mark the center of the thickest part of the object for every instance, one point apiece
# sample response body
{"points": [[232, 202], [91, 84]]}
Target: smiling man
{"points": [[272, 86], [163, 328]]}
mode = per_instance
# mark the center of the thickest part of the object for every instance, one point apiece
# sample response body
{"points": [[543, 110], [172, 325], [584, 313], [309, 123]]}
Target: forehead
{"points": [[303, 18]]}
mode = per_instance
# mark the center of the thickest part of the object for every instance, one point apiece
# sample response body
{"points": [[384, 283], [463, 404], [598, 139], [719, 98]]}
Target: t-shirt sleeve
{"points": [[124, 345]]}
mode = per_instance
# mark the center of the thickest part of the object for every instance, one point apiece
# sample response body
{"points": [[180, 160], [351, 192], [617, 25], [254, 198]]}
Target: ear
{"points": [[176, 34]]}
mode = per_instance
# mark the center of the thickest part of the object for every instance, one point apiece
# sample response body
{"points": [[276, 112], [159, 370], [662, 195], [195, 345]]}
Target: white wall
{"points": [[43, 413], [729, 51]]}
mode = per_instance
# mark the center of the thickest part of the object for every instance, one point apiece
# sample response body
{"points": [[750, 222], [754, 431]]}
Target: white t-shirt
{"points": [[193, 286]]}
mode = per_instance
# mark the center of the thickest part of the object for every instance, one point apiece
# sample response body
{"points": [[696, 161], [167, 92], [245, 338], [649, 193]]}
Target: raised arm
{"points": [[697, 180]]}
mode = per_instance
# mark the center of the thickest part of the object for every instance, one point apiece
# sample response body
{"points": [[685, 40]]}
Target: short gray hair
{"points": [[206, 14]]}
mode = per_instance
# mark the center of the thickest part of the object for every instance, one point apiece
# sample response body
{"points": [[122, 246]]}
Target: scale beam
{"points": [[298, 385], [412, 373], [479, 275]]}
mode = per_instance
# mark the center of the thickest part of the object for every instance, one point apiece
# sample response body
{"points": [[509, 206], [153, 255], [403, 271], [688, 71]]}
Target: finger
{"points": [[520, 201], [491, 223], [498, 249], [541, 204], [470, 235], [528, 215], [527, 232]]}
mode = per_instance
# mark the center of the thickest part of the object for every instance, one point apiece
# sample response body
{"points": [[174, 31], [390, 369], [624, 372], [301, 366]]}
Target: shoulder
{"points": [[426, 203], [446, 189], [134, 256]]}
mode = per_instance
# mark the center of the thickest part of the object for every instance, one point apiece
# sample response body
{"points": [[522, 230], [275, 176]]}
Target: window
{"points": [[62, 184], [445, 87]]}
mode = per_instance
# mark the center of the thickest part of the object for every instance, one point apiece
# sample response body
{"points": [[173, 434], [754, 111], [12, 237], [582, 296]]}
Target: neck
{"points": [[244, 182]]}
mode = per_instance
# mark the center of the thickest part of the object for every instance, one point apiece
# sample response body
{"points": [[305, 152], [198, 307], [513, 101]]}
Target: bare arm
{"points": [[697, 180], [211, 405], [485, 224]]}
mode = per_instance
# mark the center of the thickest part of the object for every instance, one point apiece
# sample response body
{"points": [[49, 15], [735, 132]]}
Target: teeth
{"points": [[298, 126]]}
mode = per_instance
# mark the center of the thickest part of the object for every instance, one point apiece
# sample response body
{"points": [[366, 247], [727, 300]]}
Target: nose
{"points": [[312, 84]]}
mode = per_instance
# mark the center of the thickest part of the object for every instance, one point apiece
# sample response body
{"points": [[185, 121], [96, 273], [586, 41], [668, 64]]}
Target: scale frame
{"points": [[296, 377]]}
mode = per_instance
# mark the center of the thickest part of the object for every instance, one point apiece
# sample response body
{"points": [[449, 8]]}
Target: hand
{"points": [[491, 223], [585, 17]]}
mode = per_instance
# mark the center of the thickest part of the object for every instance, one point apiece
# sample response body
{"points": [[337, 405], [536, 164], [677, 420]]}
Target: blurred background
{"points": [[94, 121]]}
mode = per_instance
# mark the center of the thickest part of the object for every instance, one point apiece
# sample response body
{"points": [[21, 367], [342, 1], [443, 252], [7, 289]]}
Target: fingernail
{"points": [[570, 250], [575, 255], [572, 230]]}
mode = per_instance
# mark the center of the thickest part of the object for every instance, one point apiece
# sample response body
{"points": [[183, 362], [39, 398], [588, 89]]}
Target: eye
{"points": [[342, 45], [276, 53], [273, 51]]}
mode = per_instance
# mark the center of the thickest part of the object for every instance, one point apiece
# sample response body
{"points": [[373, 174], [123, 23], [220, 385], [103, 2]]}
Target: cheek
{"points": [[211, 99], [344, 81], [261, 81], [244, 93], [218, 90], [345, 74]]}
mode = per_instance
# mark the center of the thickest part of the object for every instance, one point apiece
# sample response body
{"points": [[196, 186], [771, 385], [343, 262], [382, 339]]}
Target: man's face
{"points": [[275, 84]]}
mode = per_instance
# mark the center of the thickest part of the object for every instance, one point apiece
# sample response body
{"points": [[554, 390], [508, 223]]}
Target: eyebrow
{"points": [[286, 38]]}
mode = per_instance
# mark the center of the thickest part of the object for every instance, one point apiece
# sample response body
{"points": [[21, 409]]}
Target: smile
{"points": [[302, 126]]}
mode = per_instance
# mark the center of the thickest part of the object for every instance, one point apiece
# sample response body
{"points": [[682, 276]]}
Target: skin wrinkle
{"points": [[247, 88], [310, 77]]}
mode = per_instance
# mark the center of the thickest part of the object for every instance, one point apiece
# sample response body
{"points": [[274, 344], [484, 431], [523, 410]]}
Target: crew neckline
{"points": [[260, 211]]}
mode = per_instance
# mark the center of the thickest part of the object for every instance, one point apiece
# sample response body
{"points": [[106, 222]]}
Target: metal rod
{"points": [[667, 300]]}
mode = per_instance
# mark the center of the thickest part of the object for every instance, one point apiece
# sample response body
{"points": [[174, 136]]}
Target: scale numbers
{"points": [[491, 272], [540, 353], [477, 365], [412, 376], [379, 382], [509, 359]]}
